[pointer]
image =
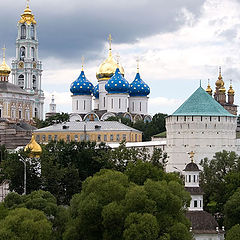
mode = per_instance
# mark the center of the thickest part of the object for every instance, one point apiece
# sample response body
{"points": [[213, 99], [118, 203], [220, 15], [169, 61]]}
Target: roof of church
{"points": [[202, 222], [200, 103], [191, 167], [8, 87]]}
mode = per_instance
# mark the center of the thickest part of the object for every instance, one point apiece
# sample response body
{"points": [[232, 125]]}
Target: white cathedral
{"points": [[112, 96]]}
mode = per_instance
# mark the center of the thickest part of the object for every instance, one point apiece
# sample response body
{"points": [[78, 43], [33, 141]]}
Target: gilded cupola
{"points": [[209, 90], [230, 90], [220, 83], [107, 69], [34, 147], [4, 68], [27, 16]]}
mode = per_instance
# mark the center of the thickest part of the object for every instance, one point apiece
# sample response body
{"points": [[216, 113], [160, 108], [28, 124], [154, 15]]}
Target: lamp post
{"points": [[35, 152]]}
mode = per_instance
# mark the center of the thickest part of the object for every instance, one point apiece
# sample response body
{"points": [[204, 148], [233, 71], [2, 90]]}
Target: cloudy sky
{"points": [[178, 43]]}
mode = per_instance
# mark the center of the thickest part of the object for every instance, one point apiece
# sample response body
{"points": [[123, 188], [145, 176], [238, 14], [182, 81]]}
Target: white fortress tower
{"points": [[26, 67], [201, 125]]}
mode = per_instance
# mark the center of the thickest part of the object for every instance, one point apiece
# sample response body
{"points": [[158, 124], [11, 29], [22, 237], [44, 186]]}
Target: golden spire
{"points": [[137, 64], [34, 147], [191, 154], [4, 68], [220, 83], [82, 62], [209, 90], [230, 90], [118, 59], [27, 16]]}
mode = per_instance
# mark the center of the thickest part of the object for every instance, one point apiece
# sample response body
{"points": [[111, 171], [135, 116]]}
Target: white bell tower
{"points": [[26, 68]]}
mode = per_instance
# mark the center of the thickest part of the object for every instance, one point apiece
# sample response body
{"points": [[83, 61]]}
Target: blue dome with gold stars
{"points": [[81, 86], [138, 88], [96, 91], [117, 83]]}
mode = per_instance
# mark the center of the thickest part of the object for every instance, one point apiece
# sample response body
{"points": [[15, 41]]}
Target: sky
{"points": [[178, 43]]}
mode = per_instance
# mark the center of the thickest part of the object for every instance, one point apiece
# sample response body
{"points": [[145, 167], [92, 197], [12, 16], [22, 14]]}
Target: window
{"points": [[111, 137], [112, 102], [192, 118], [33, 53], [49, 138], [55, 137], [133, 106], [21, 81], [201, 118], [119, 103], [99, 138], [124, 136], [118, 137], [22, 53], [104, 102], [32, 32], [81, 137], [195, 203], [43, 138], [185, 118], [37, 138], [105, 137], [177, 118], [194, 178], [219, 119], [77, 105], [23, 31], [189, 178], [84, 104], [87, 137], [68, 138], [20, 114], [135, 137], [140, 106], [200, 203], [76, 138], [34, 79]]}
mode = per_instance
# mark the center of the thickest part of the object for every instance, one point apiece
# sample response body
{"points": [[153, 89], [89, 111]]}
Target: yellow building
{"points": [[99, 131]]}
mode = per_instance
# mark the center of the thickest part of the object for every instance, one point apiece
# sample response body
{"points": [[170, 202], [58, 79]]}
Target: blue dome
{"points": [[138, 88], [96, 91], [81, 86], [117, 83]]}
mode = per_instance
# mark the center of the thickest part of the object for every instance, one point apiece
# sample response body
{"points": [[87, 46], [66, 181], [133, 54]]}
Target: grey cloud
{"points": [[69, 29]]}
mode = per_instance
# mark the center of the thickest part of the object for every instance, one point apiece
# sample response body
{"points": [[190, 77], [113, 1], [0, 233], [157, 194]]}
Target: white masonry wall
{"points": [[138, 105], [203, 135], [117, 103], [81, 103]]}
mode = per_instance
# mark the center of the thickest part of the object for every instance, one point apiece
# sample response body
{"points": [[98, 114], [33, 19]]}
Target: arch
{"points": [[34, 82], [91, 117], [147, 118], [22, 53], [21, 81], [23, 31], [33, 53], [137, 117], [32, 32], [106, 115], [74, 117], [128, 116]]}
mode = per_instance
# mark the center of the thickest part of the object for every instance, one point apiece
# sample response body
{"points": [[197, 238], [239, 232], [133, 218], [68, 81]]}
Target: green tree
{"points": [[232, 210], [233, 233], [24, 224]]}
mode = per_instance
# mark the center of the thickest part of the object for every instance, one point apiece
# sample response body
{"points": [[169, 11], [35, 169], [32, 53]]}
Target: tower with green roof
{"points": [[201, 125]]}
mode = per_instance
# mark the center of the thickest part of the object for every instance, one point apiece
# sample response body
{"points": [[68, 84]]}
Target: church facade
{"points": [[112, 96], [26, 67]]}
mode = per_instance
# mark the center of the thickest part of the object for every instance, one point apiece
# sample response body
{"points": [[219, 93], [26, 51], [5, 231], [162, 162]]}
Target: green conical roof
{"points": [[200, 103]]}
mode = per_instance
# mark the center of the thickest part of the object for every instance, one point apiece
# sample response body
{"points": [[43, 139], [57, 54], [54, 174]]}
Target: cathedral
{"points": [[112, 96], [26, 67]]}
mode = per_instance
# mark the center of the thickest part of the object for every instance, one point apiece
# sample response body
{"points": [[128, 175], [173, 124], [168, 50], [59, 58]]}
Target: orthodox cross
{"points": [[137, 64], [118, 58], [82, 61], [110, 41], [4, 50], [191, 154]]}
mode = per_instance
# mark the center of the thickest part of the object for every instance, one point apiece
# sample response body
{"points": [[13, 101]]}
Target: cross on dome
{"points": [[110, 41], [191, 154], [138, 64], [82, 61]]}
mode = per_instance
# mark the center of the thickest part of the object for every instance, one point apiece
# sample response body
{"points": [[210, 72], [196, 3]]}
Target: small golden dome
{"points": [[222, 89], [230, 90], [220, 83], [209, 90], [108, 67], [27, 16], [4, 68], [34, 147]]}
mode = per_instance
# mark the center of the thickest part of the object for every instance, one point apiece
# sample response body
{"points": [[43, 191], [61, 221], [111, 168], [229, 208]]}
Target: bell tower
{"points": [[26, 67]]}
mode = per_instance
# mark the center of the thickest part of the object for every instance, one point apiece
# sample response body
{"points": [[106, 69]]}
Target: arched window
{"points": [[21, 81], [22, 53], [23, 31], [33, 53], [34, 79], [32, 32]]}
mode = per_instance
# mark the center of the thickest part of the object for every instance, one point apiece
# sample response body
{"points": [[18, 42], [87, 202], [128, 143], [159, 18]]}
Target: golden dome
{"points": [[4, 68], [209, 90], [230, 90], [222, 89], [27, 16], [220, 83], [34, 147], [109, 66]]}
